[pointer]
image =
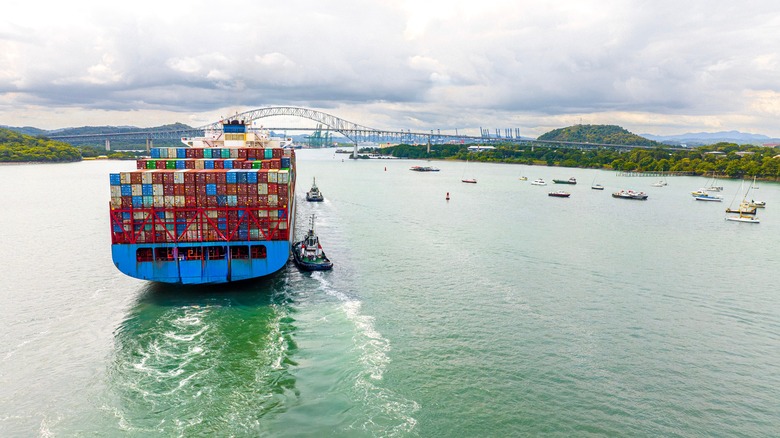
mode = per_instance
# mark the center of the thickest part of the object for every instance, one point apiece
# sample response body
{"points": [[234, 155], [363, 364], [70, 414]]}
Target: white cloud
{"points": [[665, 66]]}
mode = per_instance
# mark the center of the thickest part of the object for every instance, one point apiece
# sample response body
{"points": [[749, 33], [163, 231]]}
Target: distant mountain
{"points": [[707, 138], [601, 134]]}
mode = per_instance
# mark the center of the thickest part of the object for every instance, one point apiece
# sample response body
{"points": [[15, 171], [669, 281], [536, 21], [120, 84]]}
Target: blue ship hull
{"points": [[180, 269]]}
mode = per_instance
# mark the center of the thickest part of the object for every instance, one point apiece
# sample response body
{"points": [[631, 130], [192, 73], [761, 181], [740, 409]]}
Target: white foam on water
{"points": [[380, 403]]}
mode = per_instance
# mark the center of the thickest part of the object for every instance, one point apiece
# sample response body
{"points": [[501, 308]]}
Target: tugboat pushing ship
{"points": [[308, 253]]}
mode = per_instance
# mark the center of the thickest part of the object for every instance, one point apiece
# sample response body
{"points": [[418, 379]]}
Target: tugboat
{"points": [[314, 194], [308, 253]]}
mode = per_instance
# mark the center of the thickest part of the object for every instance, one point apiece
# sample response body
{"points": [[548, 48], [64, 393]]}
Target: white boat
{"points": [[538, 182], [759, 204], [659, 183], [597, 187], [708, 197], [743, 218], [742, 215]]}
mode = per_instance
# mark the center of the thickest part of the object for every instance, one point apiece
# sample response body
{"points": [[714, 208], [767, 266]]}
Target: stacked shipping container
{"points": [[204, 195]]}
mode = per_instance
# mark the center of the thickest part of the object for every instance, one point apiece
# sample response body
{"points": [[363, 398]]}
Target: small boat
{"points": [[424, 169], [559, 194], [597, 187], [538, 182], [308, 253], [660, 183], [523, 178], [314, 194], [571, 180], [701, 192], [630, 194], [743, 216], [463, 177], [708, 197], [743, 209], [759, 204]]}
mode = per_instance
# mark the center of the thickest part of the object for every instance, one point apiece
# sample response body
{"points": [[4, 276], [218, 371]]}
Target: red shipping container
{"points": [[278, 153], [159, 164], [189, 177], [179, 190], [219, 164], [243, 189], [157, 178], [262, 176], [232, 189], [140, 164], [168, 177], [135, 178], [222, 189], [220, 177]]}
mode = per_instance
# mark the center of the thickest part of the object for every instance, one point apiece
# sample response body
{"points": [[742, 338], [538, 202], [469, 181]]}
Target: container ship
{"points": [[219, 209]]}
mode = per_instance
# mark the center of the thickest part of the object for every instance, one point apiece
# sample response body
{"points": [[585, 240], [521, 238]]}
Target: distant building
{"points": [[480, 148], [743, 153]]}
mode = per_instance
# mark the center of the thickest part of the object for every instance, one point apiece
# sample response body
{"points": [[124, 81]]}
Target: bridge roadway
{"points": [[356, 133]]}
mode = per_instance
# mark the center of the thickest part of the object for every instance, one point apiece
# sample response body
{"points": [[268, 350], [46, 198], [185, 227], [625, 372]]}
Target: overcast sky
{"points": [[659, 67]]}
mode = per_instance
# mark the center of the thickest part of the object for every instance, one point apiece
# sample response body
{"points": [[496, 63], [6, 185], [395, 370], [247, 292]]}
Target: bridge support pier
{"points": [[148, 145], [108, 144], [355, 153]]}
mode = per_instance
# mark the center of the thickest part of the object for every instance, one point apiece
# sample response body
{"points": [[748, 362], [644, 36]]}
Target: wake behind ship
{"points": [[221, 209]]}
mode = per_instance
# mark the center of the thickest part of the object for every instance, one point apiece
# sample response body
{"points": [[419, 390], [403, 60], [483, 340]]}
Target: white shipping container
{"points": [[273, 176], [157, 190], [137, 189], [178, 201], [116, 191], [124, 177], [146, 177], [284, 177], [262, 188], [273, 201], [178, 177]]}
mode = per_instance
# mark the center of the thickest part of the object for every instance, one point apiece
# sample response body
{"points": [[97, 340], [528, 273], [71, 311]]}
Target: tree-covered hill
{"points": [[598, 134], [16, 147]]}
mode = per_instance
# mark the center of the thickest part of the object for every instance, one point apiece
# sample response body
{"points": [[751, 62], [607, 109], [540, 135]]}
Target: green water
{"points": [[501, 312]]}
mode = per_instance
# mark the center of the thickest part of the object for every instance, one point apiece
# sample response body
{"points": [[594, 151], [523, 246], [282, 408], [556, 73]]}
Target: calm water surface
{"points": [[502, 312]]}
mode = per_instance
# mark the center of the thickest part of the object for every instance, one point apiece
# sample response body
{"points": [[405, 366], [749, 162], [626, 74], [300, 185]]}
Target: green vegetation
{"points": [[600, 134], [722, 159], [15, 147], [20, 148]]}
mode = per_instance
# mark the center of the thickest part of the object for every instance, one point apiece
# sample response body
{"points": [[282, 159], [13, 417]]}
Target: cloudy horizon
{"points": [[658, 67]]}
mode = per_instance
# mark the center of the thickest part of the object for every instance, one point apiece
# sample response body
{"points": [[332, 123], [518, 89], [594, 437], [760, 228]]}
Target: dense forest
{"points": [[17, 148], [722, 159], [600, 134]]}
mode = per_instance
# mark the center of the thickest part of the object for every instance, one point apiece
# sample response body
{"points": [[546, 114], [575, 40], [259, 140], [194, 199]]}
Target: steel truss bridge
{"points": [[354, 132]]}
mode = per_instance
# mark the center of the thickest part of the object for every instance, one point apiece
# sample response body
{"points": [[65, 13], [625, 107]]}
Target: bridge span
{"points": [[353, 131]]}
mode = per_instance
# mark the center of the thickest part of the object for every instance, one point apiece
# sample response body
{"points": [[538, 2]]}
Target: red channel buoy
{"points": [[448, 196]]}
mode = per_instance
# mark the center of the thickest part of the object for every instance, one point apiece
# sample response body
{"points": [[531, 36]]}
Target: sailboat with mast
{"points": [[743, 211], [467, 180]]}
